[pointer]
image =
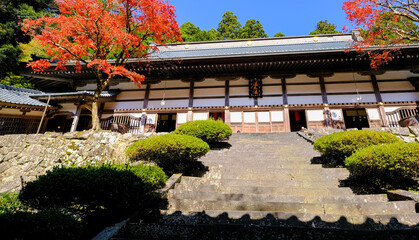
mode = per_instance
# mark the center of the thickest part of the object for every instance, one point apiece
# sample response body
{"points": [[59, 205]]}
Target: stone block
{"points": [[402, 131], [414, 130]]}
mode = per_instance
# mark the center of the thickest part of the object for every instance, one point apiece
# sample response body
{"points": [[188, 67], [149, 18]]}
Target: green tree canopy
{"points": [[323, 27], [192, 33], [16, 81], [253, 29], [229, 26], [279, 34]]}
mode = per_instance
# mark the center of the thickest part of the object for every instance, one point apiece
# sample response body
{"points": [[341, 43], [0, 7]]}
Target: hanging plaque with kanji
{"points": [[255, 88]]}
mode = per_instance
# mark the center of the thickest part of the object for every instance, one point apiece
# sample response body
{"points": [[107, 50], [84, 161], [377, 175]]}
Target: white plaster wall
{"points": [[210, 82], [270, 101], [240, 81], [239, 91], [127, 86], [131, 95], [314, 88], [8, 111], [209, 92], [394, 86], [169, 104], [347, 77], [123, 105], [68, 107], [304, 99], [269, 80], [348, 87], [351, 98], [241, 102], [179, 93], [400, 97], [391, 75], [34, 113], [272, 90], [170, 84], [217, 102], [302, 79]]}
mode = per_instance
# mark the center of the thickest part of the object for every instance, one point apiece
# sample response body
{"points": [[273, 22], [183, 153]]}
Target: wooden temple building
{"points": [[257, 85]]}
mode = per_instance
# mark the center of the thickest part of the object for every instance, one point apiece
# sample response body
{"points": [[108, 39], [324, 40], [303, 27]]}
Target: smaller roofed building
{"points": [[255, 85]]}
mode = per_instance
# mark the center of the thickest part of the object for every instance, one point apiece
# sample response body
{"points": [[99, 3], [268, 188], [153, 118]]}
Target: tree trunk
{"points": [[95, 113]]}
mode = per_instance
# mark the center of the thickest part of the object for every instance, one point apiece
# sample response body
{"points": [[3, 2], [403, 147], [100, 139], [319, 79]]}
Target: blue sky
{"points": [[291, 17]]}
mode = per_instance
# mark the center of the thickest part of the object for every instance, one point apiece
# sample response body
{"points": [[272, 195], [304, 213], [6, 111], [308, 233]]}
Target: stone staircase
{"points": [[264, 186]]}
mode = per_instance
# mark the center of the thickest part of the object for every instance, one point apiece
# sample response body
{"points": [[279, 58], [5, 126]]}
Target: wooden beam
{"points": [[48, 78], [147, 95], [227, 93], [284, 91], [191, 93], [376, 88], [323, 89]]}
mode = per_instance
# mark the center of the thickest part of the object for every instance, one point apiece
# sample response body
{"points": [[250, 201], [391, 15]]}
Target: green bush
{"points": [[48, 224], [209, 131], [337, 146], [390, 164], [172, 152], [9, 203], [86, 190]]}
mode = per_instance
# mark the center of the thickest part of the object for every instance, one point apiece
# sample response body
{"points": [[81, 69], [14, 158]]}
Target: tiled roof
{"points": [[103, 94], [18, 95]]}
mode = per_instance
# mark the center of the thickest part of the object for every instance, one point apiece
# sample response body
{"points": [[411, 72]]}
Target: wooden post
{"points": [[191, 93], [227, 93], [287, 124], [43, 115], [76, 119], [147, 95]]}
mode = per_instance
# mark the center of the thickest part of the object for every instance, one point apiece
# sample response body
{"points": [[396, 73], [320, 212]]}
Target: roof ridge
{"points": [[19, 89]]}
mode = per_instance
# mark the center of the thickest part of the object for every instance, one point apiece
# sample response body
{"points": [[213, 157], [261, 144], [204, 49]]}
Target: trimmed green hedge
{"points": [[9, 203], [392, 164], [85, 190], [337, 146], [174, 153], [209, 131]]}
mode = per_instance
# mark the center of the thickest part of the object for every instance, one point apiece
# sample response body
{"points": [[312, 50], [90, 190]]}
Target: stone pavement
{"points": [[265, 186]]}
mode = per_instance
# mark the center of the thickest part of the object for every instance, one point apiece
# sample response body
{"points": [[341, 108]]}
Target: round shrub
{"points": [[337, 146], [85, 190], [172, 152], [209, 131], [393, 164]]}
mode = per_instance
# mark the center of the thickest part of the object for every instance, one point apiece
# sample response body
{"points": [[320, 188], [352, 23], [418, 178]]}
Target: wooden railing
{"points": [[10, 125], [394, 117], [122, 124]]}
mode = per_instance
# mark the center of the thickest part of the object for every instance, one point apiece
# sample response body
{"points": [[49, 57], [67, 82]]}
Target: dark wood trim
{"points": [[284, 91], [323, 89], [376, 88], [147, 95], [255, 101], [227, 93], [191, 94]]}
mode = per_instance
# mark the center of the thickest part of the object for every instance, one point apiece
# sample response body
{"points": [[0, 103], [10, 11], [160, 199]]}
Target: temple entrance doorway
{"points": [[356, 118], [58, 123], [217, 116], [297, 120], [166, 122]]}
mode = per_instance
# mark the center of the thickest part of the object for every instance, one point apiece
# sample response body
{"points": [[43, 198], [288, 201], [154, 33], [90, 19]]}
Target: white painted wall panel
{"points": [[209, 92], [34, 113], [264, 117], [104, 116], [236, 117], [128, 86], [315, 88], [216, 102], [315, 115], [304, 99], [123, 105], [346, 77], [391, 75], [182, 118], [394, 86], [131, 95], [348, 87], [238, 91], [68, 107], [302, 79], [200, 116], [170, 84], [7, 111], [169, 104], [350, 98], [249, 117], [270, 101], [241, 102], [240, 81], [269, 80], [210, 82], [400, 97], [179, 93], [272, 90], [277, 116]]}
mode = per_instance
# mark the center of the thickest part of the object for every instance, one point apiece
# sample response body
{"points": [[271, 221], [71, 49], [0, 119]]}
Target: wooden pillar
{"points": [[76, 119], [284, 91], [287, 124], [325, 102], [383, 116], [227, 94], [147, 95], [190, 115], [191, 93], [376, 88]]}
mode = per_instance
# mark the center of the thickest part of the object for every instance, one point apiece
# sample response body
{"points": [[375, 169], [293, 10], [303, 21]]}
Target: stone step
{"points": [[261, 183], [352, 209], [278, 177], [276, 171], [273, 165], [308, 192]]}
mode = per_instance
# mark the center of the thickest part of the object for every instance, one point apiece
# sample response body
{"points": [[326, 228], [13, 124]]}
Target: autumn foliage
{"points": [[102, 35], [385, 24]]}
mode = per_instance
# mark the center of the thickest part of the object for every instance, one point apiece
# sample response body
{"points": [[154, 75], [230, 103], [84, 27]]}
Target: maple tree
{"points": [[88, 33], [385, 24]]}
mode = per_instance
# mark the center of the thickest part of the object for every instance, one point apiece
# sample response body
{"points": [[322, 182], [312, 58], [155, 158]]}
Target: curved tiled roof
{"points": [[18, 95]]}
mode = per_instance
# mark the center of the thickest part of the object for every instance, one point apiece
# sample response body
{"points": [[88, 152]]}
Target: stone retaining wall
{"points": [[24, 157]]}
